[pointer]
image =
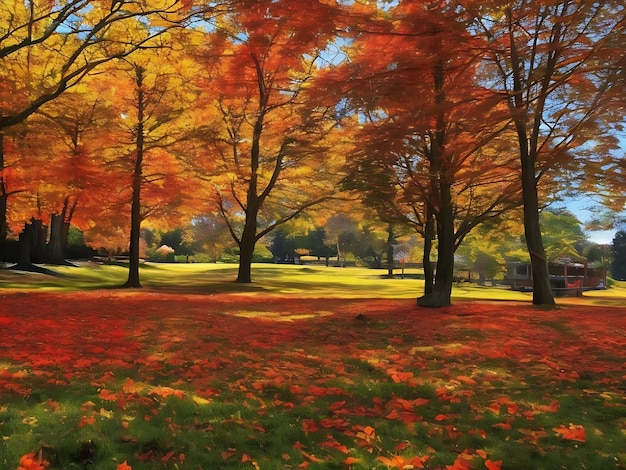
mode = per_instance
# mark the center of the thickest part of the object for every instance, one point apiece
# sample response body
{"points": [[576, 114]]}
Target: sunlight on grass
{"points": [[280, 316], [273, 279]]}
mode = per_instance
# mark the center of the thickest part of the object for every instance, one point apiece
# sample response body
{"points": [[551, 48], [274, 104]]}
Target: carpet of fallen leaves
{"points": [[495, 370]]}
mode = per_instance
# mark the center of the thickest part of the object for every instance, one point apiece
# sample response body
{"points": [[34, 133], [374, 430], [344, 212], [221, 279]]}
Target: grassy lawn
{"points": [[308, 367]]}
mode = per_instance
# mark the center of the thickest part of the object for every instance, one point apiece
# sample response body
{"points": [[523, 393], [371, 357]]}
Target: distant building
{"points": [[566, 276]]}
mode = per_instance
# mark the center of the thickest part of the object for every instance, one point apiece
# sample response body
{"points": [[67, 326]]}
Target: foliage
{"points": [[149, 379], [618, 250]]}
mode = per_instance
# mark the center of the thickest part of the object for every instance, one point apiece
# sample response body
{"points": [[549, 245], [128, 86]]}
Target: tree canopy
{"points": [[247, 115]]}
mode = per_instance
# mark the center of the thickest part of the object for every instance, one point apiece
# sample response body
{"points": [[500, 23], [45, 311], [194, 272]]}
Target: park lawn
{"points": [[179, 375]]}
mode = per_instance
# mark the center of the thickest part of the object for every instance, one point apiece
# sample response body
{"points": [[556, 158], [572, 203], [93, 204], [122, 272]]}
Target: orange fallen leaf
{"points": [[226, 454], [497, 465], [573, 432], [31, 461], [124, 466]]}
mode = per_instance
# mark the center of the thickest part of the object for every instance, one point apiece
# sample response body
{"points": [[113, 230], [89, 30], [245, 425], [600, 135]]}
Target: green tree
{"points": [[562, 234], [618, 250]]}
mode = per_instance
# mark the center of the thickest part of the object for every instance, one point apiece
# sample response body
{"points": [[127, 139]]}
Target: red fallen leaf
{"points": [[312, 457], [503, 425], [332, 443], [226, 454], [478, 432], [108, 396], [441, 417], [401, 377], [84, 421], [31, 461], [336, 406], [146, 456], [54, 405], [308, 425], [453, 432], [402, 445], [459, 464], [497, 465], [466, 380], [532, 435], [551, 408], [167, 456], [398, 461], [406, 405], [351, 460], [574, 432], [165, 392], [482, 453], [124, 466]]}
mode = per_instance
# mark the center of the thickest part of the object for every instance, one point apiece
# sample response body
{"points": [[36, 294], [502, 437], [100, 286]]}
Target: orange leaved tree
{"points": [[556, 64], [432, 145], [49, 46], [272, 151]]}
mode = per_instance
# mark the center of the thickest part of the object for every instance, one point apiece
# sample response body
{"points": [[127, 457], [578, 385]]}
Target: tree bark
{"points": [[441, 190], [444, 277], [56, 252], [246, 249], [135, 211], [542, 291], [429, 273], [38, 240], [390, 240], [31, 241], [528, 146], [3, 195]]}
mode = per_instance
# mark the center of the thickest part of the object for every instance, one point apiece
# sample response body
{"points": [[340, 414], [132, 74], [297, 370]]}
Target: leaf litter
{"points": [[346, 383]]}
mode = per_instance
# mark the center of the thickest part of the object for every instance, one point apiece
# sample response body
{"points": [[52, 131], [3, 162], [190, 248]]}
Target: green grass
{"points": [[196, 371], [271, 279]]}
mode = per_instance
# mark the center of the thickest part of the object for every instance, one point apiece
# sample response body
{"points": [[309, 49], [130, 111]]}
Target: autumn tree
{"points": [[556, 64], [152, 104], [66, 139], [429, 130], [48, 47], [273, 151]]}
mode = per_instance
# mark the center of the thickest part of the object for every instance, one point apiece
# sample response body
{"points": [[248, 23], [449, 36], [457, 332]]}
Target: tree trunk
{"points": [[542, 291], [529, 149], [246, 249], [429, 273], [441, 189], [25, 240], [444, 277], [56, 253], [390, 240], [38, 240], [3, 195], [135, 211], [31, 242]]}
